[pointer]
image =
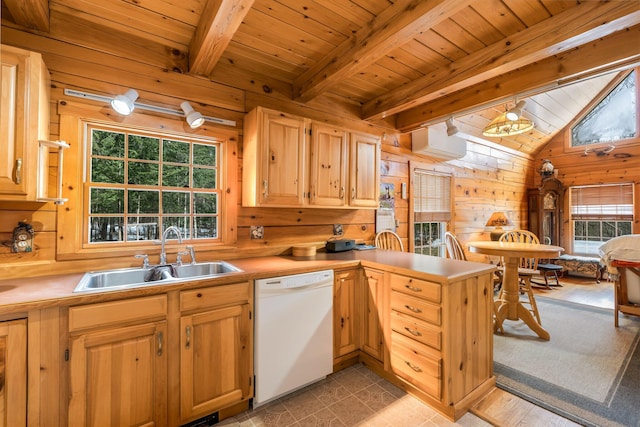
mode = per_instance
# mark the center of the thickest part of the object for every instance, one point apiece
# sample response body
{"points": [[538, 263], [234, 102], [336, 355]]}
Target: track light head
{"points": [[515, 113], [194, 118], [124, 104], [451, 128]]}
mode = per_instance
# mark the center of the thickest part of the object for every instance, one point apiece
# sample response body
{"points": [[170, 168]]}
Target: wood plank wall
{"points": [[486, 179]]}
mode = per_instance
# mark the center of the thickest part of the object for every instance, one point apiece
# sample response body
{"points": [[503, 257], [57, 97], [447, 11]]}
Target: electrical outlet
{"points": [[337, 229], [257, 232]]}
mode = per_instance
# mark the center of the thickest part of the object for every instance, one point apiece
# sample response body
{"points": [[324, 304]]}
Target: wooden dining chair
{"points": [[527, 268], [388, 239]]}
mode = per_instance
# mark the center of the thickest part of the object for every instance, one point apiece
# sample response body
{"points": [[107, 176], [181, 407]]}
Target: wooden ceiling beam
{"points": [[30, 13], [584, 23], [392, 28], [615, 52], [219, 21]]}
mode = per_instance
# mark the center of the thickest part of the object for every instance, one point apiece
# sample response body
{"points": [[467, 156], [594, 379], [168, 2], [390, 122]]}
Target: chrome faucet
{"points": [[163, 254]]}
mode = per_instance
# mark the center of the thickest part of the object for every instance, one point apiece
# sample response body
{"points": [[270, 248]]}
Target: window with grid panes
{"points": [[431, 211], [140, 183], [599, 213]]}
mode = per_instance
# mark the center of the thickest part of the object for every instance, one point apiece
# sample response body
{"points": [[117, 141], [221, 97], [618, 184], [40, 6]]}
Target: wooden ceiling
{"points": [[399, 62]]}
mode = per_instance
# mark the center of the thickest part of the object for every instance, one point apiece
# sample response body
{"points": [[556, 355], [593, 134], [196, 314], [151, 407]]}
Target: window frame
{"points": [[446, 225], [73, 216], [568, 148]]}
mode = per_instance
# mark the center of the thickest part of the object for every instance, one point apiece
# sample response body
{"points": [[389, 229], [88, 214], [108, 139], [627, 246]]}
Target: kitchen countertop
{"points": [[23, 294]]}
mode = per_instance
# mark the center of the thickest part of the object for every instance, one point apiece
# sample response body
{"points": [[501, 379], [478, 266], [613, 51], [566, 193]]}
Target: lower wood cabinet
{"points": [[374, 313], [161, 360], [118, 363], [216, 355], [13, 373], [346, 312]]}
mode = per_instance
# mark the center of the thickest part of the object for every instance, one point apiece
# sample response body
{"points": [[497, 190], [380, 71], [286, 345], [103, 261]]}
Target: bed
{"points": [[621, 255]]}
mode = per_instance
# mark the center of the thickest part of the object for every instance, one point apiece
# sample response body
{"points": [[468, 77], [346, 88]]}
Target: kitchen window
{"points": [[129, 179], [139, 183], [431, 202]]}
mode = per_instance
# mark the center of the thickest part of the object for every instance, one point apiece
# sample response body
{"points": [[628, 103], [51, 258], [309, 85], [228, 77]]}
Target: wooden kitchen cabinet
{"points": [[24, 119], [345, 168], [118, 363], [13, 373], [216, 353], [285, 167], [373, 340], [364, 167], [346, 313], [275, 153]]}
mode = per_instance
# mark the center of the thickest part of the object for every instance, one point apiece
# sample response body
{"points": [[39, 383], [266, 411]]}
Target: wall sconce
{"points": [[124, 104], [498, 220], [193, 117], [546, 170]]}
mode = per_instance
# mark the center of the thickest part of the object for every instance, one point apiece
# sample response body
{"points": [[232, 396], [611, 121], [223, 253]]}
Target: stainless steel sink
{"points": [[126, 278]]}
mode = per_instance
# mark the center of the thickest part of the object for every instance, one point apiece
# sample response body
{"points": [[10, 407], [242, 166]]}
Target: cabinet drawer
{"points": [[416, 287], [416, 329], [214, 296], [109, 313], [416, 307], [413, 362]]}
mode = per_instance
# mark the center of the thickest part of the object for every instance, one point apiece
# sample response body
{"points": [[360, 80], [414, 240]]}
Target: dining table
{"points": [[509, 307]]}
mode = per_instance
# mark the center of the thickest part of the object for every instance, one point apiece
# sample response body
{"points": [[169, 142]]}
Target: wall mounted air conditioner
{"points": [[434, 141]]}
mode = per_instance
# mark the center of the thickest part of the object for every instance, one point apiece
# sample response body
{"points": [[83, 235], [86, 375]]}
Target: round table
{"points": [[510, 307]]}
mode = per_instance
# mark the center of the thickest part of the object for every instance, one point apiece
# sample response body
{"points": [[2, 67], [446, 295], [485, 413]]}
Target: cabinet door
{"points": [[13, 373], [119, 377], [345, 313], [283, 152], [328, 177], [215, 360], [24, 118], [373, 340], [364, 170]]}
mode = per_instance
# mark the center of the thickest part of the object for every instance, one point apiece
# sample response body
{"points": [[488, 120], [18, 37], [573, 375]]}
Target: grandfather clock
{"points": [[545, 211]]}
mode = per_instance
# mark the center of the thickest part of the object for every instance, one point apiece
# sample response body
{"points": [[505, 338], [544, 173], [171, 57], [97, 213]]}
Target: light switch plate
{"points": [[337, 229]]}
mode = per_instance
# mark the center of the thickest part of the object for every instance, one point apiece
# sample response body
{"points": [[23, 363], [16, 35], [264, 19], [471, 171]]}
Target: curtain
{"points": [[431, 196], [611, 202]]}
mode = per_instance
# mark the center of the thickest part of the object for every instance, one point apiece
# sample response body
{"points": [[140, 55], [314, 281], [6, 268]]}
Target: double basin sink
{"points": [[127, 278]]}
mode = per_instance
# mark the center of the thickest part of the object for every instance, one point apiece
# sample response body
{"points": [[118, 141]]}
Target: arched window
{"points": [[612, 119]]}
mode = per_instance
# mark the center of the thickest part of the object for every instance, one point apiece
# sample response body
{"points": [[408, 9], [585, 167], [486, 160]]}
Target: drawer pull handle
{"points": [[414, 309], [413, 332], [413, 288], [188, 332], [160, 343], [412, 366]]}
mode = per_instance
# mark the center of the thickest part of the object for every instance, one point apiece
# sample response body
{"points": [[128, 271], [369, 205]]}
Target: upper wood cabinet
{"points": [[344, 168], [275, 149], [24, 119], [290, 161]]}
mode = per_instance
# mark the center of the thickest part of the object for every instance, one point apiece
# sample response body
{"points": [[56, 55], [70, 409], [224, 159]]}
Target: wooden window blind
{"points": [[431, 196], [602, 202]]}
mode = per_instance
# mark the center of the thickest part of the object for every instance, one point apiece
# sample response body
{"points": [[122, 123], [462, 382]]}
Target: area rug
{"points": [[588, 372]]}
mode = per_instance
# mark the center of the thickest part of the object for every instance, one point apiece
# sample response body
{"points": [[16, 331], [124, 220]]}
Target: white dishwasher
{"points": [[293, 333]]}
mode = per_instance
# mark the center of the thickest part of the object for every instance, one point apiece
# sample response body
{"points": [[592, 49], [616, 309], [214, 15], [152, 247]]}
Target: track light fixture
{"points": [[193, 117], [451, 128], [515, 113], [124, 104]]}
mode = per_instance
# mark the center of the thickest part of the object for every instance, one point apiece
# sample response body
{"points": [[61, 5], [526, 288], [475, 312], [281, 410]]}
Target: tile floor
{"points": [[354, 396]]}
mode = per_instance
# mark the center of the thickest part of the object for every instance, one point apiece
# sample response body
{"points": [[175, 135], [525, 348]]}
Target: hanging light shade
{"points": [[501, 126]]}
